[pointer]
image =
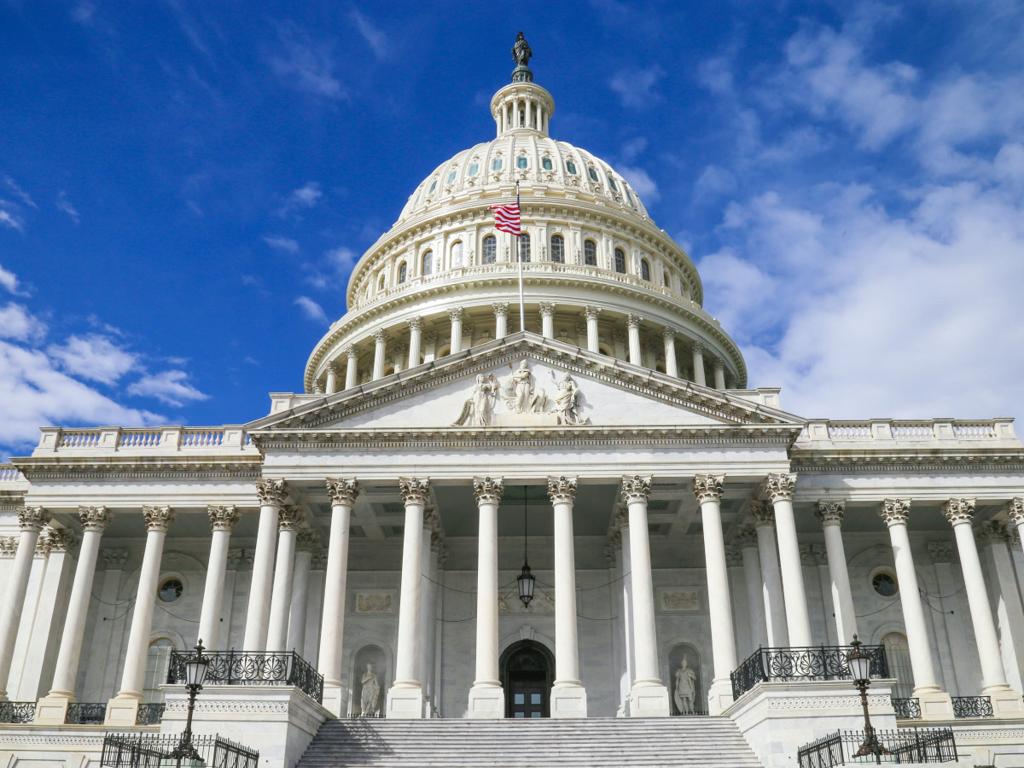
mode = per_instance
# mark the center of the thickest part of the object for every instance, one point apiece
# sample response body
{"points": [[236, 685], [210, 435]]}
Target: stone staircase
{"points": [[686, 742]]}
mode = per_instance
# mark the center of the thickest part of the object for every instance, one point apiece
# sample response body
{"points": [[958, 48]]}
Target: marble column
{"points": [[708, 491], [648, 695], [305, 543], [671, 366], [568, 696], [500, 319], [994, 537], [746, 540], [698, 364], [1015, 516], [52, 709], [771, 575], [123, 708], [455, 315], [351, 367], [779, 489], [935, 702], [593, 339], [830, 513], [405, 698], [428, 609], [621, 525], [547, 320], [633, 333], [288, 521], [415, 341], [719, 369], [1005, 701], [222, 520], [332, 379], [380, 342], [343, 493], [486, 698], [31, 521], [272, 495]]}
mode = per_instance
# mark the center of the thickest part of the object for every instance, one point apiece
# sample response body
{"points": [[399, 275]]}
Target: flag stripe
{"points": [[507, 218]]}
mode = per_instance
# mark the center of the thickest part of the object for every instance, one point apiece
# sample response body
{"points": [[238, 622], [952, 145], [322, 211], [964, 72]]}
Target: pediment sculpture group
{"points": [[520, 394]]}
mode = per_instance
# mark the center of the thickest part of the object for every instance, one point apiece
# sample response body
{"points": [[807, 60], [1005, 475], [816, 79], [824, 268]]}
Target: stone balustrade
{"points": [[230, 439], [819, 434]]}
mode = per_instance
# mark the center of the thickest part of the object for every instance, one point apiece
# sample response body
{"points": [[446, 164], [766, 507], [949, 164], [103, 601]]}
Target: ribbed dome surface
{"points": [[541, 165]]}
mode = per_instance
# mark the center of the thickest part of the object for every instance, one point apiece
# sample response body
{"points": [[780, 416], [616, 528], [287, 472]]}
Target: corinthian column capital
{"points": [[895, 511], [343, 490], [633, 321], [547, 308], [635, 488], [158, 518], [831, 512], [455, 314], [415, 323], [93, 518], [959, 510], [708, 487], [591, 313], [1015, 510], [414, 490], [762, 513], [562, 489], [271, 493], [289, 518], [500, 308], [32, 518], [488, 490], [780, 486], [222, 518]]}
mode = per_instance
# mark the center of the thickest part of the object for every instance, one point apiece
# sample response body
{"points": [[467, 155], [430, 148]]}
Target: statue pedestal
{"points": [[486, 702], [648, 700], [405, 702], [568, 701]]}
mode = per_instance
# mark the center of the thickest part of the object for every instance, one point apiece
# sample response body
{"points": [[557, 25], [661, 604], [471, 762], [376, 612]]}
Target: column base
{"points": [[486, 701], [52, 709], [568, 700], [334, 699], [719, 696], [648, 699], [935, 704], [1006, 702], [123, 710], [405, 702]]}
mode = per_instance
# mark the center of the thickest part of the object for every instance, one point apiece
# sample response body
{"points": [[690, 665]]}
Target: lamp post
{"points": [[860, 671], [195, 675], [525, 579]]}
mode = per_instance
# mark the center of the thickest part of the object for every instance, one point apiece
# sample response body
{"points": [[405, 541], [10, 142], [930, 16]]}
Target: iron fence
{"points": [[150, 714], [86, 713], [907, 745], [824, 662], [253, 668], [153, 750], [17, 711], [972, 706], [906, 709]]}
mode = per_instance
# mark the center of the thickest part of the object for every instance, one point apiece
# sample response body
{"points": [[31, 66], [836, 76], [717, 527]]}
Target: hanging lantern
{"points": [[525, 579]]}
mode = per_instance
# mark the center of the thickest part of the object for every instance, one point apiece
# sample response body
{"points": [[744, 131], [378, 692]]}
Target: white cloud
{"points": [[284, 244], [170, 387], [373, 36], [311, 309], [8, 281], [17, 323], [641, 181], [65, 205], [93, 357], [714, 181], [9, 218], [635, 87], [33, 393], [633, 148], [20, 193], [715, 74], [303, 198], [305, 64]]}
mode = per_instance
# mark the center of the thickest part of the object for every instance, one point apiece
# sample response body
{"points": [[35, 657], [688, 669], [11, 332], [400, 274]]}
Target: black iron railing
{"points": [[153, 750], [823, 662], [17, 711], [86, 713], [253, 668], [906, 709], [150, 714], [907, 745], [972, 706]]}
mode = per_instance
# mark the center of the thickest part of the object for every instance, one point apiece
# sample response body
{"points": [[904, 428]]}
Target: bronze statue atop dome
{"points": [[521, 54]]}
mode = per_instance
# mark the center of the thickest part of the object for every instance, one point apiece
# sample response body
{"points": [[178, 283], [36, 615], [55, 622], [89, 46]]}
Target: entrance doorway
{"points": [[527, 671]]}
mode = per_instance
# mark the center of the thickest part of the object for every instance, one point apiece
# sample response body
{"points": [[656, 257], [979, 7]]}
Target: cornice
{"points": [[38, 469], [929, 460]]}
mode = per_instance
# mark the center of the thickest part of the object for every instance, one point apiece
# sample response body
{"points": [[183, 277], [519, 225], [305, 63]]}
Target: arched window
{"points": [[433, 186], [645, 269], [546, 164], [620, 261], [558, 249], [590, 253], [592, 173], [570, 166], [380, 282], [897, 653], [665, 279], [612, 184], [456, 254], [428, 263], [496, 163], [490, 249], [157, 659], [524, 247], [402, 271]]}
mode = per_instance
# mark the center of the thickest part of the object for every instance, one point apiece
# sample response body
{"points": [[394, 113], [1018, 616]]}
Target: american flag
{"points": [[507, 218]]}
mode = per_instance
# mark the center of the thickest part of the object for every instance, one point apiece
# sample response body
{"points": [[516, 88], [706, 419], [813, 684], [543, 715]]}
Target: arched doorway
{"points": [[527, 671]]}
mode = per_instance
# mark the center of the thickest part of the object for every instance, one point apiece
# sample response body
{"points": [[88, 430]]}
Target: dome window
{"points": [[428, 262], [592, 173], [620, 261], [433, 186], [456, 254], [629, 197], [522, 162], [524, 247], [490, 249], [665, 279], [590, 253], [557, 249], [403, 270], [474, 168], [645, 269], [570, 167], [611, 184], [451, 176], [380, 282], [545, 163], [497, 164]]}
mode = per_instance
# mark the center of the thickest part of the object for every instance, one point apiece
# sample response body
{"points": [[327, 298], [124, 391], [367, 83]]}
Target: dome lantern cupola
{"points": [[522, 105]]}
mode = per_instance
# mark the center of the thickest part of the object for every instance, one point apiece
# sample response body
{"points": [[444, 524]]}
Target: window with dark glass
{"points": [[590, 253], [522, 162], [546, 164], [592, 173], [557, 249], [402, 269], [496, 164], [490, 249], [428, 262], [620, 260], [524, 247], [570, 166], [645, 269]]}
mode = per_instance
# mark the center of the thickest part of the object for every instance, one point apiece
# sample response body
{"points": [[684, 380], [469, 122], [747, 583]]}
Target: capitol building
{"points": [[559, 499]]}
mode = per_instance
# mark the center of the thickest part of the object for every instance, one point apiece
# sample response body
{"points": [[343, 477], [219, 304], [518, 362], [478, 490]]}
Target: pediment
{"points": [[525, 382]]}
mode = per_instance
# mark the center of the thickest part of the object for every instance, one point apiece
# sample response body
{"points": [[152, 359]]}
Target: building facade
{"points": [[600, 428]]}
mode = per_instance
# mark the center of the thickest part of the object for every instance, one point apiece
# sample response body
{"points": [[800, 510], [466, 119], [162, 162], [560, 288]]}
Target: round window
{"points": [[170, 590], [884, 584]]}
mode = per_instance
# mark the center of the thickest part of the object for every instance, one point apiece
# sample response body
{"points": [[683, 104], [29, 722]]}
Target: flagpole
{"points": [[519, 259]]}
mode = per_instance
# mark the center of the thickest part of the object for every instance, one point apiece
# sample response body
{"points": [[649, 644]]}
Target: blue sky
{"points": [[183, 187]]}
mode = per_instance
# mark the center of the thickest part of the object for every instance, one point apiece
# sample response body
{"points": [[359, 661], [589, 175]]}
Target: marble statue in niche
{"points": [[684, 687], [369, 697]]}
